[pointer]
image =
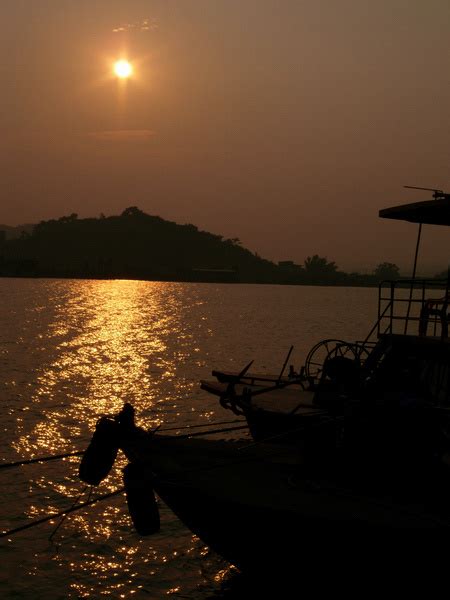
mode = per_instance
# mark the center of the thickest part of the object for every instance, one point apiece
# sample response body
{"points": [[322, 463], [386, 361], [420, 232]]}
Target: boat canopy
{"points": [[430, 212]]}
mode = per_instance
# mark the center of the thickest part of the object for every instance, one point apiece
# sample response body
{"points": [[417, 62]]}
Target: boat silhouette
{"points": [[365, 449]]}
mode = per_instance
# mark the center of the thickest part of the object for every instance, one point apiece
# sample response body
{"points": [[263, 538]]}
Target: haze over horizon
{"points": [[286, 124]]}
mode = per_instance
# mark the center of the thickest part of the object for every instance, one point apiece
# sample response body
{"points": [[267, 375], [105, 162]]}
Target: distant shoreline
{"points": [[125, 278]]}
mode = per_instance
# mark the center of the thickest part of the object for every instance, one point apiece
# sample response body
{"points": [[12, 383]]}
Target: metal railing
{"points": [[413, 307]]}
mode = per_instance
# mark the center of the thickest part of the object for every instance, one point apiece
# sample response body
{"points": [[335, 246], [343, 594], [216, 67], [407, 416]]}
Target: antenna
{"points": [[436, 193]]}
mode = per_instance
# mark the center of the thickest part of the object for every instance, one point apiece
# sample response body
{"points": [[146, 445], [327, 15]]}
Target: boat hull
{"points": [[249, 505]]}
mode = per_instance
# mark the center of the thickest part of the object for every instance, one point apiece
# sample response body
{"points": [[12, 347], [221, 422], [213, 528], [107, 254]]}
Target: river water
{"points": [[72, 350]]}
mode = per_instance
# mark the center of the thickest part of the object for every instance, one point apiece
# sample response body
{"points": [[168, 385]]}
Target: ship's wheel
{"points": [[328, 349]]}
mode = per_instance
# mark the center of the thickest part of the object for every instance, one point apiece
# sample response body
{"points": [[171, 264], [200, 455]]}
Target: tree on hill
{"points": [[318, 268], [133, 211], [386, 270], [69, 218]]}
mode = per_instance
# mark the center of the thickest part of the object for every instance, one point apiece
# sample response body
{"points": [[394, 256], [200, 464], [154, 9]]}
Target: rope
{"points": [[203, 425], [60, 513], [224, 430], [19, 463], [89, 502], [64, 517], [43, 459]]}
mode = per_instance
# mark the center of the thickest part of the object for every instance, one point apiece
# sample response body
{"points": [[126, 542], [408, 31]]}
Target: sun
{"points": [[123, 69]]}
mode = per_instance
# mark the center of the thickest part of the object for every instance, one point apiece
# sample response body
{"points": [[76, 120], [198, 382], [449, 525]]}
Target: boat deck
{"points": [[253, 378], [285, 400]]}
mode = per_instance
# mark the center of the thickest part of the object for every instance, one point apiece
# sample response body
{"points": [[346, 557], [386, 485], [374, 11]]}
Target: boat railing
{"points": [[413, 307]]}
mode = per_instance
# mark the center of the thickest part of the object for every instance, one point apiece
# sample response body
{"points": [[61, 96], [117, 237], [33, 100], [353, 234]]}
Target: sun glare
{"points": [[123, 69]]}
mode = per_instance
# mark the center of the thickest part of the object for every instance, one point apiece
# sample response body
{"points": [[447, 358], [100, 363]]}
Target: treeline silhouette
{"points": [[140, 246]]}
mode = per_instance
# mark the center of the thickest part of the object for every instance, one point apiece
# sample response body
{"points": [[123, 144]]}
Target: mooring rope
{"points": [[64, 517], [61, 513], [29, 461], [42, 459], [203, 425], [199, 433]]}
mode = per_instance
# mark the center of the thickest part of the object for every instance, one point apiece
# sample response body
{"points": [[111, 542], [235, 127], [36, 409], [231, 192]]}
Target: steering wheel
{"points": [[325, 350]]}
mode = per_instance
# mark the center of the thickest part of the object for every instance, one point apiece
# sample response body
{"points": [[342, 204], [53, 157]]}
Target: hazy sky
{"points": [[286, 123]]}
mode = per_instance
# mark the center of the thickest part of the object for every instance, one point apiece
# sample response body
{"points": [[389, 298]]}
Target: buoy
{"points": [[101, 453], [141, 499]]}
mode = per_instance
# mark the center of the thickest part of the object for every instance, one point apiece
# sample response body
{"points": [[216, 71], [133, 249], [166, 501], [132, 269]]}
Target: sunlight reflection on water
{"points": [[73, 350]]}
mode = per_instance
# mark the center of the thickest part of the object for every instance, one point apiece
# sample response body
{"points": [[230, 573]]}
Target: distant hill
{"points": [[133, 244]]}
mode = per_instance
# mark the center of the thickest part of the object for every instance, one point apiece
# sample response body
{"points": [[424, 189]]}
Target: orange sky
{"points": [[285, 123]]}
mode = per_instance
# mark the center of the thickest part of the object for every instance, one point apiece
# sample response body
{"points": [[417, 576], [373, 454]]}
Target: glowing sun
{"points": [[123, 69]]}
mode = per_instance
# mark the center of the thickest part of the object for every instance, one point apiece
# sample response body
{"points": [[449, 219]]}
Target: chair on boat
{"points": [[438, 308]]}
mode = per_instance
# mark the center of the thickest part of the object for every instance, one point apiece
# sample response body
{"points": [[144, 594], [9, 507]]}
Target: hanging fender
{"points": [[101, 453], [141, 500]]}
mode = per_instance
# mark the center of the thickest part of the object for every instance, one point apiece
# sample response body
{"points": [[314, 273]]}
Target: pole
{"points": [[285, 363], [419, 234]]}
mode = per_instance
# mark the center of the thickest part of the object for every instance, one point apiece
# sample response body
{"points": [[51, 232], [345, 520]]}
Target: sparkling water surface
{"points": [[73, 350]]}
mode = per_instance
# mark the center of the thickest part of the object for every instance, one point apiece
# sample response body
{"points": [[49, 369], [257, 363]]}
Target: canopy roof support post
{"points": [[416, 255]]}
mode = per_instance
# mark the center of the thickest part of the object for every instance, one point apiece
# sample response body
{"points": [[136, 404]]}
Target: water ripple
{"points": [[71, 351]]}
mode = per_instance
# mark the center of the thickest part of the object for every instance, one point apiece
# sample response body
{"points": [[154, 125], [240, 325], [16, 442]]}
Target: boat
{"points": [[280, 407], [409, 323], [381, 470], [252, 502]]}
